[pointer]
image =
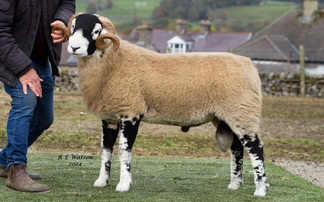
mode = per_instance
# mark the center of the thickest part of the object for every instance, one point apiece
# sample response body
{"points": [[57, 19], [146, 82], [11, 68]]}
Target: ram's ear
{"points": [[107, 24], [101, 44]]}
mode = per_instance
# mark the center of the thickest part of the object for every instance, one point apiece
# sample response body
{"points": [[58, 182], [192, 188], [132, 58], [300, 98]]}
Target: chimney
{"points": [[181, 26], [310, 7], [144, 35], [205, 27]]}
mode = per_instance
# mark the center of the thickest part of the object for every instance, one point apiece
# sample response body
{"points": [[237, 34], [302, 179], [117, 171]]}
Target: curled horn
{"points": [[101, 44], [65, 29], [109, 27]]}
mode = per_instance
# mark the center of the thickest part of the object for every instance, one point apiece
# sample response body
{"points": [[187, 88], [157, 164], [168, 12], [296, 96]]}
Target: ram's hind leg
{"points": [[108, 139], [128, 133], [236, 152], [254, 147], [227, 140]]}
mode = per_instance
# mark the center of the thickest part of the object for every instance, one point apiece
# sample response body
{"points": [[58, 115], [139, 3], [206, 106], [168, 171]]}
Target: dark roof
{"points": [[160, 38], [281, 39], [219, 41], [186, 37], [211, 42], [131, 36], [273, 47]]}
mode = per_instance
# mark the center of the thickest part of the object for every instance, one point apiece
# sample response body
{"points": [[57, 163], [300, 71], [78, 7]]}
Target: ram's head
{"points": [[88, 33]]}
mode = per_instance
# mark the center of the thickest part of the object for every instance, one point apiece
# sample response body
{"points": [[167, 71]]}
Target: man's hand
{"points": [[31, 80], [58, 35]]}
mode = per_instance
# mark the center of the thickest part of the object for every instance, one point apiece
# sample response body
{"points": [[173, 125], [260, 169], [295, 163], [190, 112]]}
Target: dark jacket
{"points": [[18, 27]]}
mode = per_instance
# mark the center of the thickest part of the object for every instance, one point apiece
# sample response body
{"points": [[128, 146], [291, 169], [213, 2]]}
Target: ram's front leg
{"points": [[108, 139], [128, 131]]}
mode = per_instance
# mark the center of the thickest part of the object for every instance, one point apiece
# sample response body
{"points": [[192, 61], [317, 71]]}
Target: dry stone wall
{"points": [[288, 84], [68, 80]]}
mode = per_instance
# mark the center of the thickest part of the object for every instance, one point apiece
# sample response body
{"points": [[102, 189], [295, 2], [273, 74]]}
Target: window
{"points": [[178, 47]]}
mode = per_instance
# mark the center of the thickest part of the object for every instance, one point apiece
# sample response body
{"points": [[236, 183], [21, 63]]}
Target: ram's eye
{"points": [[97, 32]]}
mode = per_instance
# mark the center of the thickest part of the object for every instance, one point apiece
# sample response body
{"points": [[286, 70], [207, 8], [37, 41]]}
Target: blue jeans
{"points": [[29, 116]]}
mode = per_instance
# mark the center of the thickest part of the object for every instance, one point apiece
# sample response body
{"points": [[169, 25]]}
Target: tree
{"points": [[109, 4], [193, 13], [194, 9]]}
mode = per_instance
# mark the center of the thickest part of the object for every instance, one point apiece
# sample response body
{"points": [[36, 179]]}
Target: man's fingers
{"points": [[58, 32], [58, 38], [24, 88], [36, 90], [31, 80], [34, 87]]}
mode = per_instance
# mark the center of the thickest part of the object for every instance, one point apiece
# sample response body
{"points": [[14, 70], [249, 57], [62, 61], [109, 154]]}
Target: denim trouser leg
{"points": [[43, 116], [29, 116]]}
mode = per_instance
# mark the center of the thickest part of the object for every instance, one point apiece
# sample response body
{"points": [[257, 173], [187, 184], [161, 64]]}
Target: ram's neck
{"points": [[90, 74]]}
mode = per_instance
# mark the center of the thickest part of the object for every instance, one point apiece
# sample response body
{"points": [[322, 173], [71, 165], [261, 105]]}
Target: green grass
{"points": [[158, 179], [251, 18], [266, 11], [124, 10], [292, 147]]}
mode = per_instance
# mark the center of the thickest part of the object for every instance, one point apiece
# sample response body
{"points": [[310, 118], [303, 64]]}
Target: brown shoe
{"points": [[3, 172], [19, 180], [34, 176]]}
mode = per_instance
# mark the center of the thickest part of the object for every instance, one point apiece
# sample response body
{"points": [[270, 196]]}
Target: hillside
{"points": [[252, 18], [123, 10], [126, 13]]}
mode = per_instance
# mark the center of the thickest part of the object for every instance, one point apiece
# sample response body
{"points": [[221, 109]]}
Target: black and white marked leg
{"points": [[254, 147], [236, 152], [128, 133], [108, 139]]}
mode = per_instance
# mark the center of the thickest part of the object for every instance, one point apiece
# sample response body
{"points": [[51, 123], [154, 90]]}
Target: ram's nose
{"points": [[74, 49]]}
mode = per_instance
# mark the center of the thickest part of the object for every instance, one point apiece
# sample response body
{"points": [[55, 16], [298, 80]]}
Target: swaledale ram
{"points": [[125, 84]]}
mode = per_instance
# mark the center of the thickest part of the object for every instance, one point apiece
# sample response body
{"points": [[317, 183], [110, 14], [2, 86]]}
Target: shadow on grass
{"points": [[157, 179]]}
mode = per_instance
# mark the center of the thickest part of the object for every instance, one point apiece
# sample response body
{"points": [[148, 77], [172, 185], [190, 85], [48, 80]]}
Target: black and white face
{"points": [[85, 29]]}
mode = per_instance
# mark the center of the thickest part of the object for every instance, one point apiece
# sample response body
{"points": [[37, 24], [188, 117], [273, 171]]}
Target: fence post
{"points": [[302, 70]]}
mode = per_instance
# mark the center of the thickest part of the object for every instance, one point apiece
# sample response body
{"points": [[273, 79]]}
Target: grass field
{"points": [[170, 165], [269, 10], [158, 179], [251, 18], [123, 11]]}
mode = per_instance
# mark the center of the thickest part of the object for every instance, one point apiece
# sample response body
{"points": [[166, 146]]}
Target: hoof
{"points": [[262, 191], [235, 184], [100, 183], [123, 187]]}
